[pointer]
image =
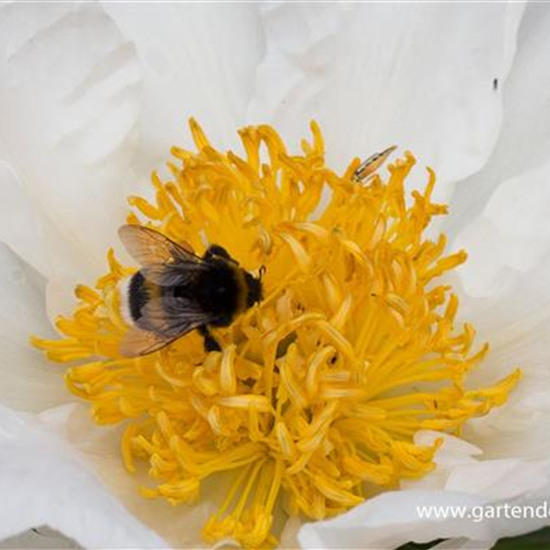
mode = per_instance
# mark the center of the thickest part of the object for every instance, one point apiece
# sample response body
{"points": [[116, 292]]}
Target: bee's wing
{"points": [[162, 321], [173, 316], [149, 247], [178, 273], [138, 342]]}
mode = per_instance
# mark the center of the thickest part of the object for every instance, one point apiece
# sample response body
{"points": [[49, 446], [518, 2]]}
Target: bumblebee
{"points": [[176, 291]]}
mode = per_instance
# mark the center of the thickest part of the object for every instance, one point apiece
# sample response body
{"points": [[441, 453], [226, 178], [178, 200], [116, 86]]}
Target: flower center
{"points": [[313, 403]]}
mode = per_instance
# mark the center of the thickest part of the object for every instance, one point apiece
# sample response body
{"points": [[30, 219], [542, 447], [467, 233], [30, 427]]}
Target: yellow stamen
{"points": [[319, 390]]}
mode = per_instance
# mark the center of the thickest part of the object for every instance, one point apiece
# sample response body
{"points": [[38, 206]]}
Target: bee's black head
{"points": [[255, 290]]}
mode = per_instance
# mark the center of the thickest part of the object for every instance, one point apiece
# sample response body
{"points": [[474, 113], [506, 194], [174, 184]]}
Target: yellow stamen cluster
{"points": [[314, 401]]}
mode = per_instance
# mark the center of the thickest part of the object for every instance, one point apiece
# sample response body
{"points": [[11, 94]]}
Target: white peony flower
{"points": [[92, 97]]}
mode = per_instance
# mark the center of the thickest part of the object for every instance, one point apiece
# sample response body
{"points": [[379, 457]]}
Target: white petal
{"points": [[467, 510], [29, 381], [44, 482], [454, 452], [464, 544], [180, 526], [511, 237], [524, 141], [418, 75], [508, 299], [517, 325], [198, 60], [35, 237], [506, 293], [69, 104], [289, 535], [42, 538], [393, 519], [498, 479]]}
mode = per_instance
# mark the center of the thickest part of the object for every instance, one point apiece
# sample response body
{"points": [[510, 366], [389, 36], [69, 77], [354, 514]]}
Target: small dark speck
{"points": [[495, 84]]}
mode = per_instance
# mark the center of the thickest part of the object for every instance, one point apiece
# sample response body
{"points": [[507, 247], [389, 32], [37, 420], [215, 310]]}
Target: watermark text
{"points": [[480, 513]]}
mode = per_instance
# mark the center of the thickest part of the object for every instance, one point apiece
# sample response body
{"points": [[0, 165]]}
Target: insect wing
{"points": [[172, 316], [369, 166], [177, 274], [149, 247], [138, 342], [162, 321]]}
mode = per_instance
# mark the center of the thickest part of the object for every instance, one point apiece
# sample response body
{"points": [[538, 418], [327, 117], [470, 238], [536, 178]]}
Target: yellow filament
{"points": [[317, 395]]}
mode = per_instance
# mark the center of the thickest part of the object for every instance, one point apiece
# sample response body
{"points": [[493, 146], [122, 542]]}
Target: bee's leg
{"points": [[210, 343]]}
